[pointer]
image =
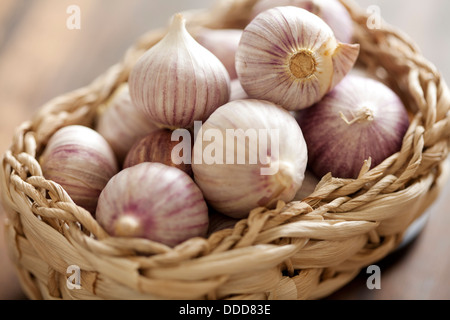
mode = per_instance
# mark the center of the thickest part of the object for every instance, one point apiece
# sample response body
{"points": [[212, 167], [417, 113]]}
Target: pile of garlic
{"points": [[204, 130]]}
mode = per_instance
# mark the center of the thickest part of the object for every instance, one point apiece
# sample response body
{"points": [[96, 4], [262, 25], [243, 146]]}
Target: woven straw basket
{"points": [[300, 250]]}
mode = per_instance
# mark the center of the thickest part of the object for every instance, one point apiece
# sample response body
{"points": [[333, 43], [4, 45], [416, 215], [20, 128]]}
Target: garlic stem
{"points": [[178, 25], [284, 179], [363, 114], [127, 226]]}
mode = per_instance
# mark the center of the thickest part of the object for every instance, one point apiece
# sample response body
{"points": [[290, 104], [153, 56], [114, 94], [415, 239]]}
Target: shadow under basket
{"points": [[299, 250]]}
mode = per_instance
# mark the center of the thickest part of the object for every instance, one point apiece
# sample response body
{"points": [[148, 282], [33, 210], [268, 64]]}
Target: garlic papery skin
{"points": [[155, 202], [178, 81], [122, 124], [248, 154], [290, 56], [223, 43], [157, 146], [360, 119], [81, 161], [332, 12]]}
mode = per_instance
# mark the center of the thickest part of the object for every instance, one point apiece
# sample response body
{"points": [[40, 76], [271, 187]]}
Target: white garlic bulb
{"points": [[249, 154], [178, 81], [290, 56], [122, 124], [332, 12]]}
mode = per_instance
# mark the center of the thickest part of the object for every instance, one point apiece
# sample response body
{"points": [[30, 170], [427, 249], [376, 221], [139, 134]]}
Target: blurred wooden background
{"points": [[40, 58]]}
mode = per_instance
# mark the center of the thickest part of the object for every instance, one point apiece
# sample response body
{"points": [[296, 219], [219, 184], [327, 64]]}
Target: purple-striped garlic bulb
{"points": [[80, 160], [157, 146], [360, 119], [332, 12], [178, 81], [290, 56], [122, 124], [153, 201]]}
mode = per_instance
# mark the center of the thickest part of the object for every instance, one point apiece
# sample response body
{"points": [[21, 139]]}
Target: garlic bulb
{"points": [[153, 201], [248, 154], [361, 118], [223, 43], [81, 161], [157, 146], [332, 12], [121, 123], [178, 81], [290, 56]]}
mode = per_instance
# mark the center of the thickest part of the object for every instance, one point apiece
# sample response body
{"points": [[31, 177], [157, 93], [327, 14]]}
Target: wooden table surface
{"points": [[40, 58]]}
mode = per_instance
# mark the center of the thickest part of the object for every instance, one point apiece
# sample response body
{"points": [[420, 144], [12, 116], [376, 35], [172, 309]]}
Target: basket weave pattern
{"points": [[300, 250]]}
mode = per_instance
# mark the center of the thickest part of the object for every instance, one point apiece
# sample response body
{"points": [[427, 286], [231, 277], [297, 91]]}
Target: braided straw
{"points": [[299, 250]]}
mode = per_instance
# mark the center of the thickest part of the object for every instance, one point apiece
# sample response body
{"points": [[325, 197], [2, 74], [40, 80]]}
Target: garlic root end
{"points": [[302, 64]]}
